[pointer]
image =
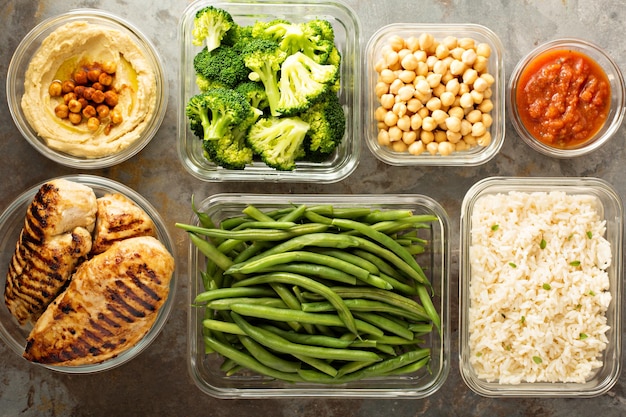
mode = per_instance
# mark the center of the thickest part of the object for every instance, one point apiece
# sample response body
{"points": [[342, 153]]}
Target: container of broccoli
{"points": [[270, 91]]}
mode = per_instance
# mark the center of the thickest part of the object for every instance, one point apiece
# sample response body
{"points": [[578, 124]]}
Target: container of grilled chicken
{"points": [[70, 306]]}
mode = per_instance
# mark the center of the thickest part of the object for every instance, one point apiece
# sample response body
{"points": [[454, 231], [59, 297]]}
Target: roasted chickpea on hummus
{"points": [[78, 48]]}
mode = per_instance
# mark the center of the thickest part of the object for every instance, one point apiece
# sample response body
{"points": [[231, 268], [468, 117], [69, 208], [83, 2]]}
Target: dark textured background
{"points": [[157, 382]]}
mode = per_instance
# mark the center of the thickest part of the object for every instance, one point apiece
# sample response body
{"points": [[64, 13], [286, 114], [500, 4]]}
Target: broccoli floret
{"points": [[278, 141], [254, 92], [210, 25], [327, 125], [230, 151], [264, 58], [212, 114], [302, 82], [223, 65]]}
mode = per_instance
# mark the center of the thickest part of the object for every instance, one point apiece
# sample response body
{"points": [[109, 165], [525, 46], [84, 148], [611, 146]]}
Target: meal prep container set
{"points": [[357, 95]]}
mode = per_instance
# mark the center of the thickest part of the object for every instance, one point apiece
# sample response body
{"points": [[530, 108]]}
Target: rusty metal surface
{"points": [[157, 382]]}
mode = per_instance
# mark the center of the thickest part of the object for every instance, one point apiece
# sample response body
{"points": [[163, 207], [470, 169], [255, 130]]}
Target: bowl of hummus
{"points": [[87, 89]]}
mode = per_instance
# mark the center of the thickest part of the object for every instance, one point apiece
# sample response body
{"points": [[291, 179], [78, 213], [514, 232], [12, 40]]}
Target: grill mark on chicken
{"points": [[54, 239]]}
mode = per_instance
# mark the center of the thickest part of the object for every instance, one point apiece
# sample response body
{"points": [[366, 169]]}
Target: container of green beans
{"points": [[318, 295]]}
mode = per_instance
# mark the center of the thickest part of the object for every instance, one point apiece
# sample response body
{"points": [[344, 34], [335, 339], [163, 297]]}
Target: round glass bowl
{"points": [[346, 27], [476, 153], [30, 45], [609, 207], [570, 48], [205, 368], [11, 223]]}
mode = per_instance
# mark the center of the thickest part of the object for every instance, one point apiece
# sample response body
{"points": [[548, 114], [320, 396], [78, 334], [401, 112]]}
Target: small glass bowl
{"points": [[616, 110], [11, 223], [205, 368], [611, 209], [476, 155], [346, 26], [29, 46]]}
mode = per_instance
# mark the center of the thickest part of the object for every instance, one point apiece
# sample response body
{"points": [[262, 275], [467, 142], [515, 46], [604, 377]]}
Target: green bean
{"points": [[317, 239], [355, 304], [282, 345], [381, 264], [256, 214], [353, 259], [398, 285], [310, 284], [410, 368], [421, 328], [268, 261], [384, 240], [222, 326], [396, 340], [384, 253], [386, 215], [319, 364], [350, 367], [313, 270], [211, 252], [232, 292], [228, 365], [251, 250], [348, 213], [292, 302], [381, 295], [309, 339], [248, 361], [303, 230], [427, 303], [385, 324], [225, 303], [294, 214], [274, 224], [266, 357], [204, 219], [286, 315]]}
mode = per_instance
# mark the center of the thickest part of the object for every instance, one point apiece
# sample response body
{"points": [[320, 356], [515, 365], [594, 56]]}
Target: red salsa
{"points": [[563, 98]]}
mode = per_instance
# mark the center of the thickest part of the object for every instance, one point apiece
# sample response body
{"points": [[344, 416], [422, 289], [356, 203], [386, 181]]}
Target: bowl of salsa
{"points": [[566, 98]]}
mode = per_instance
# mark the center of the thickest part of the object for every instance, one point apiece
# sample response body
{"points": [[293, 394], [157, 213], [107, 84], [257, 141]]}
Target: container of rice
{"points": [[540, 287]]}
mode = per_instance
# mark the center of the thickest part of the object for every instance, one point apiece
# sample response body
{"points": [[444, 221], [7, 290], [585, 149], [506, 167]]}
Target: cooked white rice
{"points": [[538, 314]]}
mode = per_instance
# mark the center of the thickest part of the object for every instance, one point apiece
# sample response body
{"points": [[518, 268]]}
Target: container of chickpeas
{"points": [[435, 94], [87, 89]]}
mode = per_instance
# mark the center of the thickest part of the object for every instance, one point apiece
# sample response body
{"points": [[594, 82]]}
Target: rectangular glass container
{"points": [[205, 368]]}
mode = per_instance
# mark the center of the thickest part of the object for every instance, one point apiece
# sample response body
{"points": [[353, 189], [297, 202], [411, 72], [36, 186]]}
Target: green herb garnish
{"points": [[589, 234], [543, 244], [512, 265], [495, 227], [546, 286], [537, 360], [583, 336], [575, 263]]}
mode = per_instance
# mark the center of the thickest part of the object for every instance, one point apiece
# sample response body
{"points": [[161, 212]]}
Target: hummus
{"points": [[63, 52]]}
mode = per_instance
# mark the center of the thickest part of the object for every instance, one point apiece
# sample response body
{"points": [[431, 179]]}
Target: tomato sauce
{"points": [[563, 98]]}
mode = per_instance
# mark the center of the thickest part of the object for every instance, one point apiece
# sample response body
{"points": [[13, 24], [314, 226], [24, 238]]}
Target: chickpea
{"points": [[84, 103], [467, 100], [426, 41], [79, 90], [395, 86], [433, 80], [102, 110], [439, 116], [390, 119], [453, 124], [381, 88], [409, 62], [396, 42], [404, 123], [402, 53], [442, 51], [93, 123], [450, 42], [480, 84], [387, 100], [457, 112], [88, 93], [433, 104], [422, 68], [105, 79], [391, 58], [62, 111], [116, 116], [405, 93], [446, 148], [80, 77], [468, 57], [438, 90], [457, 67], [432, 148], [399, 109], [412, 43], [461, 146], [484, 140], [470, 76], [413, 105], [406, 76], [466, 128], [111, 98], [447, 99], [466, 43], [409, 137], [383, 137], [74, 106], [97, 86], [477, 96], [75, 118], [422, 87], [55, 89], [453, 86], [440, 67], [420, 55], [399, 146], [488, 78], [453, 137], [97, 96], [478, 129], [395, 134], [483, 49], [387, 76], [89, 111], [67, 86], [487, 120], [416, 121], [380, 65], [426, 137], [457, 53], [474, 116], [423, 112], [417, 148], [470, 140], [429, 124], [440, 136], [486, 106], [93, 74], [110, 67]]}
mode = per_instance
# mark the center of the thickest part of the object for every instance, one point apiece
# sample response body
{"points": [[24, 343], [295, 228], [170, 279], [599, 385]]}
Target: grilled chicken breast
{"points": [[56, 236], [110, 304], [119, 218]]}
